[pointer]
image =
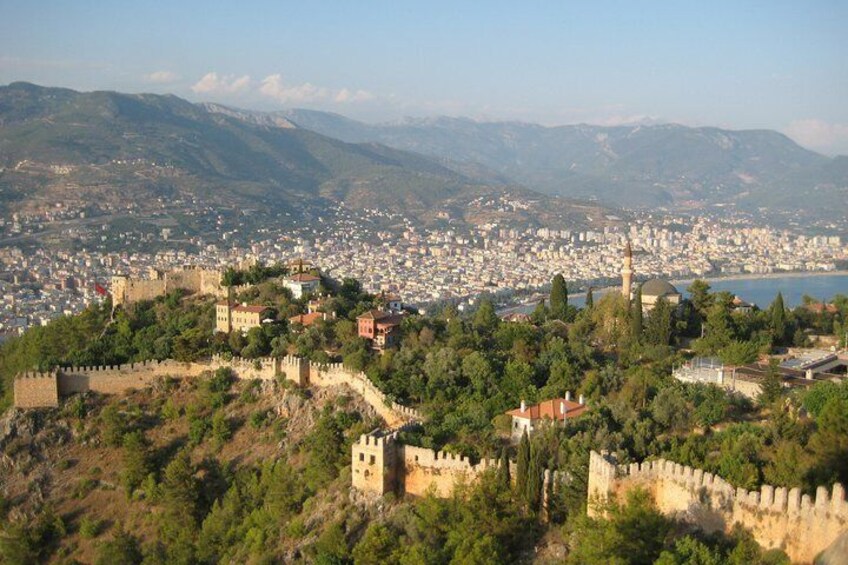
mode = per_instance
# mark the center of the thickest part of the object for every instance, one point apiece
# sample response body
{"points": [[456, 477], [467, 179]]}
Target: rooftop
{"points": [[552, 409]]}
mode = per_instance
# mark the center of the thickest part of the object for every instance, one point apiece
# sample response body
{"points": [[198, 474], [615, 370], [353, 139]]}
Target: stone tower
{"points": [[627, 272], [119, 289], [374, 467]]}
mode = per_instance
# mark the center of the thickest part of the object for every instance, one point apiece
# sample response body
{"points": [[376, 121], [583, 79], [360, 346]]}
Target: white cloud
{"points": [[211, 83], [819, 135], [162, 77], [345, 95], [274, 87]]}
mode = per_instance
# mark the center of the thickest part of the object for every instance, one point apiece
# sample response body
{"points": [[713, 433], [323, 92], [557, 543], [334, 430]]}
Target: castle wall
{"points": [[422, 469], [36, 390], [335, 374], [778, 518], [265, 368], [136, 290], [116, 379]]}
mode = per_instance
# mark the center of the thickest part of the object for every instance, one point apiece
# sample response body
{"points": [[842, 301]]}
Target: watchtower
{"points": [[374, 467]]}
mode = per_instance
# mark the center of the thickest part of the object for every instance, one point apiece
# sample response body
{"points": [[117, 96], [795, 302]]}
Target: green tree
{"points": [[658, 329], [485, 319], [559, 298], [772, 386], [122, 548], [376, 546], [503, 470], [739, 353], [634, 532], [718, 331], [699, 295], [522, 469], [136, 460], [590, 300], [829, 443], [533, 493], [777, 320], [540, 313]]}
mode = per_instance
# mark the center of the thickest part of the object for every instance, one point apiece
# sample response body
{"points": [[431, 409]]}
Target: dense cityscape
{"points": [[425, 265]]}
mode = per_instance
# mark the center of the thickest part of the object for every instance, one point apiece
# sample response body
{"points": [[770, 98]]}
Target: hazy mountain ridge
{"points": [[642, 165], [144, 146]]}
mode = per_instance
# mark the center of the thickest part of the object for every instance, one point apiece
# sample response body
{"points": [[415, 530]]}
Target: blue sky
{"points": [[777, 65]]}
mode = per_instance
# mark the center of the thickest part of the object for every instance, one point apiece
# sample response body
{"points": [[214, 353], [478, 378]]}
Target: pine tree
{"points": [[636, 315], [523, 464], [503, 470], [485, 318], [590, 300], [559, 298], [778, 319]]}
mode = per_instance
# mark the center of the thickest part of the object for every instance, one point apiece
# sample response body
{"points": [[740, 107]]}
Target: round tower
{"points": [[627, 272]]}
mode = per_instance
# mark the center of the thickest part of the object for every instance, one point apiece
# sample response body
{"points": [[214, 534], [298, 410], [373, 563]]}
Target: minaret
{"points": [[627, 272]]}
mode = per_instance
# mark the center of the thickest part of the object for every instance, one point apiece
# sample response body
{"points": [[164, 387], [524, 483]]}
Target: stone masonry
{"points": [[777, 517]]}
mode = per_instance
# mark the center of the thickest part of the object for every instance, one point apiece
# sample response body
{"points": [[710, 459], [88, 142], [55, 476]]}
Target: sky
{"points": [[732, 64]]}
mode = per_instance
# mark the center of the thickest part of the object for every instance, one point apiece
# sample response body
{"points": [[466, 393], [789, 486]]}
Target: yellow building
{"points": [[230, 316]]}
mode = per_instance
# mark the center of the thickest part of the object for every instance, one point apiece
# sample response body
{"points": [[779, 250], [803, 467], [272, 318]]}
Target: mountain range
{"points": [[114, 149], [663, 165], [59, 145]]}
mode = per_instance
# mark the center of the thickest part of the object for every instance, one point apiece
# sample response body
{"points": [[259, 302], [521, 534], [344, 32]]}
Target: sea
{"points": [[759, 291]]}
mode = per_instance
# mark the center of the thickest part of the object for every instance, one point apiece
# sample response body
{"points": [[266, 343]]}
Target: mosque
{"points": [[652, 290]]}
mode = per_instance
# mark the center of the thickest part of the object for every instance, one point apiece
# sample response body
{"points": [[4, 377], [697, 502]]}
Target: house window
{"points": [[362, 457], [373, 460]]}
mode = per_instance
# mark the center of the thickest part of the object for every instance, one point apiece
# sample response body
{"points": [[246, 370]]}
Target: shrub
{"points": [[90, 528]]}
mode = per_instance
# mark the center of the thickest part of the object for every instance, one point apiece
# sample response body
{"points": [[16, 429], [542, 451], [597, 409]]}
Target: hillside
{"points": [[655, 165], [135, 150], [220, 467]]}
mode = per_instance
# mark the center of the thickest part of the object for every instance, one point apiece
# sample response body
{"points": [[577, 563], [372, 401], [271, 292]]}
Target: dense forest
{"points": [[189, 498]]}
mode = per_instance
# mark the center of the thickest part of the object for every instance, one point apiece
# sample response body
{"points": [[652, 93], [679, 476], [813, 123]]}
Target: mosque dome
{"points": [[658, 287]]}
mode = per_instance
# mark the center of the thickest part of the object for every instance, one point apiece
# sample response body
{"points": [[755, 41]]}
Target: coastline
{"points": [[735, 277]]}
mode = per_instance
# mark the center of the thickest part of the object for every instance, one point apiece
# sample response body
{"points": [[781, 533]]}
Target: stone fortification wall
{"points": [[422, 469], [265, 368], [135, 290], [126, 290], [36, 390], [43, 390], [335, 374], [115, 379], [777, 517], [381, 464]]}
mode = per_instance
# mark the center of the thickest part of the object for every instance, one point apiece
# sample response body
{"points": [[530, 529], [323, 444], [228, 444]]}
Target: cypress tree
{"points": [[503, 470], [590, 301], [778, 319], [658, 329], [533, 491], [523, 464], [636, 315], [559, 298]]}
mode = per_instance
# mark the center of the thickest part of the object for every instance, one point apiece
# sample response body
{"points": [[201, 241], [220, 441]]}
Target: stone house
{"points": [[556, 410], [302, 284]]}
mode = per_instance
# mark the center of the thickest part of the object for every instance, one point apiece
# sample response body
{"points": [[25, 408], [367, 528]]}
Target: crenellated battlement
{"points": [[777, 516], [382, 464], [115, 379]]}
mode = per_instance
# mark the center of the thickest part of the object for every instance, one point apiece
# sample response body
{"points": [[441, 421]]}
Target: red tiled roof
{"points": [[551, 409], [306, 319]]}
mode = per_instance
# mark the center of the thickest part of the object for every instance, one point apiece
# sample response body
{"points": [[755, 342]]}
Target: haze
{"points": [[776, 65]]}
